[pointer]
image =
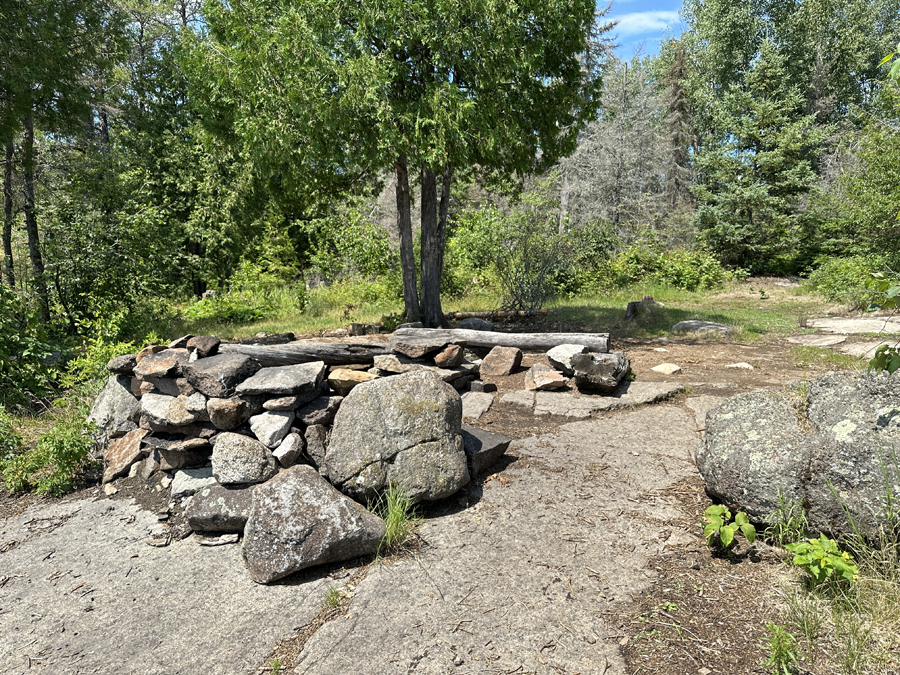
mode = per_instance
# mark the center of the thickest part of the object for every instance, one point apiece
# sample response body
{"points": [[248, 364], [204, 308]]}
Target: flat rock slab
{"points": [[476, 403], [568, 405], [542, 557], [416, 347], [853, 326], [864, 349], [817, 340], [89, 596], [695, 326]]}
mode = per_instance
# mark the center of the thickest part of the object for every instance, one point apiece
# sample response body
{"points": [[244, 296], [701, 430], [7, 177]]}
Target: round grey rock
{"points": [[240, 459]]}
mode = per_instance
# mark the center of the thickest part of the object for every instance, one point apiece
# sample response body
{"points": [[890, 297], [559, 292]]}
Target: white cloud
{"points": [[641, 23]]}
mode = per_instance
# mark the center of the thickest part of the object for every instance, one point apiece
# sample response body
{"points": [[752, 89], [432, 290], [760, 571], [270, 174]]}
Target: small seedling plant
{"points": [[781, 647], [720, 530], [823, 560]]}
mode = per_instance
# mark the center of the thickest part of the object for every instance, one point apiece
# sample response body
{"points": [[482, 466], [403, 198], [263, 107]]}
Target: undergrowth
{"points": [[395, 508]]}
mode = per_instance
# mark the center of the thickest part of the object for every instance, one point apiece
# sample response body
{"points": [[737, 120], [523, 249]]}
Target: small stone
{"points": [[418, 346], [122, 453], [180, 343], [164, 385], [221, 540], [217, 376], [451, 357], [666, 368], [165, 482], [123, 365], [158, 542], [167, 363], [320, 411], [204, 345], [240, 459], [476, 404], [188, 481], [501, 361], [701, 327], [414, 324], [660, 349], [601, 371], [172, 460], [289, 450], [185, 387], [524, 399], [740, 366], [110, 489], [272, 426], [483, 448], [229, 413], [196, 405], [343, 381], [283, 403], [544, 378], [218, 508]]}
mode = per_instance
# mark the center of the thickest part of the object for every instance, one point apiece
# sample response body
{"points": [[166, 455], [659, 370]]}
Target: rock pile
{"points": [[283, 454]]}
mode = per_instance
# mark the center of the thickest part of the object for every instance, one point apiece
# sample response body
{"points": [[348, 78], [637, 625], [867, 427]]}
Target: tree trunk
{"points": [[8, 274], [31, 228], [407, 256], [305, 351], [531, 342], [563, 201]]}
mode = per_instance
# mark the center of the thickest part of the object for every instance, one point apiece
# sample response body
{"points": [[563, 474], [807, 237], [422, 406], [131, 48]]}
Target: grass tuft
{"points": [[395, 507]]}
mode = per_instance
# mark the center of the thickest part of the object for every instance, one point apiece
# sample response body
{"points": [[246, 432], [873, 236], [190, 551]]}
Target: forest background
{"points": [[157, 150]]}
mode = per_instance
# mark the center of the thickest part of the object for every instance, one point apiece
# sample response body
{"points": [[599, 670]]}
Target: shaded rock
{"points": [[483, 448], [229, 413], [647, 305], [300, 380], [188, 445], [204, 345], [561, 357], [316, 436], [601, 371], [401, 430], [343, 381], [241, 459], [167, 363], [196, 405], [121, 454], [180, 343], [759, 444], [666, 368], [219, 508], [283, 403], [289, 449], [450, 357], [541, 378], [475, 404], [478, 385], [474, 323], [271, 426], [320, 411], [172, 460], [188, 481], [113, 411], [148, 466], [390, 364], [413, 324], [420, 347], [217, 376], [163, 385], [122, 365], [143, 387], [264, 338], [695, 326], [298, 520], [185, 387], [500, 361]]}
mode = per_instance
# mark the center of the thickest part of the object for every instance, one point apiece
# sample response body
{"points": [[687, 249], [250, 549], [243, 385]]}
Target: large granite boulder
{"points": [[114, 412], [401, 430], [600, 371], [831, 446], [240, 459], [298, 520]]}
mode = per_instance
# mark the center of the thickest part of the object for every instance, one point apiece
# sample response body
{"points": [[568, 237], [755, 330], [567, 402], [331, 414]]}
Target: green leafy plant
{"points": [[718, 522], [10, 441], [823, 560], [395, 507], [781, 646], [886, 287]]}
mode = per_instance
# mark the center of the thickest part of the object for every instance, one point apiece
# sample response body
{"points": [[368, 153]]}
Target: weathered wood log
{"points": [[332, 353], [528, 342], [492, 315]]}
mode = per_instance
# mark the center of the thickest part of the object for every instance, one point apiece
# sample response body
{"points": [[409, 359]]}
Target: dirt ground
{"points": [[683, 610]]}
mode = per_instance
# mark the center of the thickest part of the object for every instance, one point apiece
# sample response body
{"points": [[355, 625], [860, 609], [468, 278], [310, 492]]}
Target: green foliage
{"points": [[886, 289], [781, 646], [689, 270], [90, 363], [718, 522], [333, 597], [395, 508], [844, 279], [54, 466], [823, 560], [24, 375], [788, 523], [10, 441]]}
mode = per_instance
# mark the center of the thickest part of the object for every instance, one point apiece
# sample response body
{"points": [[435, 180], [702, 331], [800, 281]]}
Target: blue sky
{"points": [[643, 22]]}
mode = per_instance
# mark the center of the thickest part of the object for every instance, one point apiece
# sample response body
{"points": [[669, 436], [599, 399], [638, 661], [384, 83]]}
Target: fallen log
{"points": [[332, 353], [499, 314], [527, 342]]}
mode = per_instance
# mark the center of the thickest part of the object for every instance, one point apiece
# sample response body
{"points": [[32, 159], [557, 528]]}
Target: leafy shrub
{"points": [[823, 560], [718, 522], [781, 646], [843, 279], [10, 441], [886, 290], [24, 376], [90, 363], [686, 269]]}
